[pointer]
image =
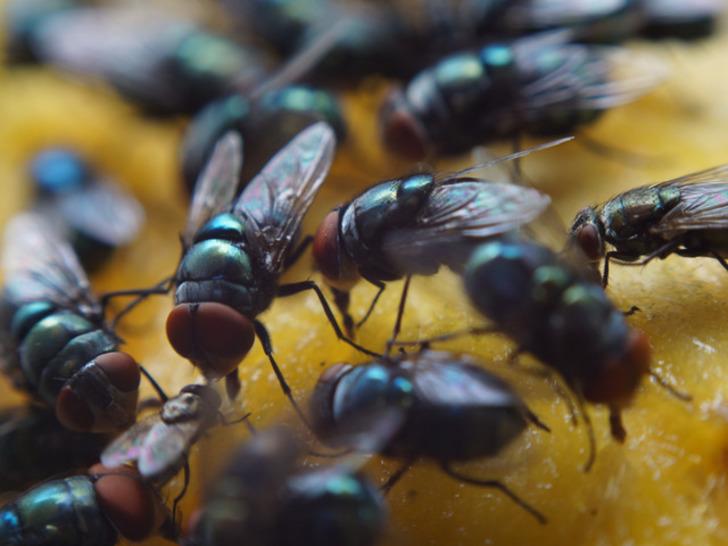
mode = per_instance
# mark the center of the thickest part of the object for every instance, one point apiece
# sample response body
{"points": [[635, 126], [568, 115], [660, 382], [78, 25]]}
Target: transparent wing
{"points": [[217, 184], [468, 208], [104, 212], [277, 199], [586, 76], [558, 13], [128, 447], [165, 448], [703, 202], [40, 265]]}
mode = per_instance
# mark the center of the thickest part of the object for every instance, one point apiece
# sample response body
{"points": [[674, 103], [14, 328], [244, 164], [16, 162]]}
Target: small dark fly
{"points": [[159, 445], [267, 496], [266, 123], [538, 85], [415, 224], [34, 446], [452, 411], [682, 20], [54, 340], [85, 510], [167, 65], [687, 216], [555, 311], [235, 250], [92, 212]]}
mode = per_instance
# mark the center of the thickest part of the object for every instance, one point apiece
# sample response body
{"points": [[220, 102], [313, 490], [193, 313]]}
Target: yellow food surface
{"points": [[665, 485]]}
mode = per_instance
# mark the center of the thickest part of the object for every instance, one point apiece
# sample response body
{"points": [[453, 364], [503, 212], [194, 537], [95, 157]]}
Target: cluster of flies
{"points": [[469, 72]]}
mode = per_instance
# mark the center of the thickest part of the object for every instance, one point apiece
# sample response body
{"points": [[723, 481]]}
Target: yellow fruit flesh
{"points": [[665, 485]]}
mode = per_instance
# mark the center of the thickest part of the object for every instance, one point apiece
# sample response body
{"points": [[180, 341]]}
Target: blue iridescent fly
{"points": [[553, 309], [452, 410], [167, 65], [265, 122], [267, 496], [92, 212], [415, 224], [97, 509], [235, 251], [54, 340], [540, 85]]}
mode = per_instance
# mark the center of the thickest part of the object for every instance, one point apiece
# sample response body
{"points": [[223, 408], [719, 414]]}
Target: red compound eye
{"points": [[618, 379], [589, 241], [75, 413], [401, 130], [330, 258], [215, 337], [130, 504]]}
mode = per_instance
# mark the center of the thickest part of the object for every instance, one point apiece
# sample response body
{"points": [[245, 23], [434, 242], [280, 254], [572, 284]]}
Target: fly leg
{"points": [[400, 314], [396, 476], [264, 338], [232, 384], [182, 493], [298, 287], [342, 299], [590, 432], [426, 342], [162, 287], [155, 385], [616, 427], [380, 289], [494, 484]]}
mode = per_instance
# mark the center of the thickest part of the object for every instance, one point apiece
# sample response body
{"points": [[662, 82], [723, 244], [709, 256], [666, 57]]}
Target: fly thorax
{"points": [[369, 389], [185, 407], [218, 268]]}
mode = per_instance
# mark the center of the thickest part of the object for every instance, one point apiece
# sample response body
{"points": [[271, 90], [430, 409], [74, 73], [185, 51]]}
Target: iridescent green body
{"points": [[627, 218], [57, 513], [265, 125], [34, 447], [218, 268], [379, 210], [47, 348], [474, 97]]}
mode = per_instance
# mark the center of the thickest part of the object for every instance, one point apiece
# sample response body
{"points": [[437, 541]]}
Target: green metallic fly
{"points": [[687, 216]]}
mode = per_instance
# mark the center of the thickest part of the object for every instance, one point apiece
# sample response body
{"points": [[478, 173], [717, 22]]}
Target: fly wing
{"points": [[703, 202], [104, 212], [40, 265], [217, 184], [585, 77], [165, 449], [124, 45], [276, 200], [128, 447], [468, 208]]}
